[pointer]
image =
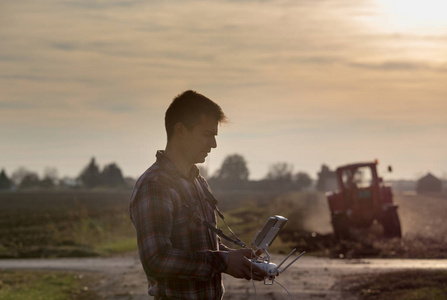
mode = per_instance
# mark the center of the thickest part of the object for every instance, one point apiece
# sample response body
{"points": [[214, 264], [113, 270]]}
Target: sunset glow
{"points": [[429, 16], [303, 82]]}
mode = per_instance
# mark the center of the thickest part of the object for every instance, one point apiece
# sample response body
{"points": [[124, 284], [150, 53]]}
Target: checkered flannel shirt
{"points": [[181, 258]]}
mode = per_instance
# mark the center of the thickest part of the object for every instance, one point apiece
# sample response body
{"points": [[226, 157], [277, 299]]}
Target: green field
{"points": [[65, 223], [93, 223]]}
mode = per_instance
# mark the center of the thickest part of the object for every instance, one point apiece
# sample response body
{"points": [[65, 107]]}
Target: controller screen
{"points": [[267, 227]]}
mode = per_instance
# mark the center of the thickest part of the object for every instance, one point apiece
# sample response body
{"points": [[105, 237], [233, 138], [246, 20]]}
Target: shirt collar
{"points": [[171, 169]]}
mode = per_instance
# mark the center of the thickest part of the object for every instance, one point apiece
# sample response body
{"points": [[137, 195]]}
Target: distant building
{"points": [[429, 184]]}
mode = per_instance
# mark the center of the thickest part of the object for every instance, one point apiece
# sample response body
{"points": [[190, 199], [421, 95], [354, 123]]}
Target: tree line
{"points": [[90, 177], [233, 173]]}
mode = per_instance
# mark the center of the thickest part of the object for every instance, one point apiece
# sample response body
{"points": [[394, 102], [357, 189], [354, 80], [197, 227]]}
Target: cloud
{"points": [[65, 46], [391, 66], [398, 66], [17, 105], [25, 78], [101, 5], [112, 105]]}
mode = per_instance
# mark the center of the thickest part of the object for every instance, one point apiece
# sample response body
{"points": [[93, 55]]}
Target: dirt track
{"points": [[121, 277]]}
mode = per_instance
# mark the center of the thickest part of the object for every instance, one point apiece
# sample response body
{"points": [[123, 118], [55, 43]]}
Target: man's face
{"points": [[198, 141]]}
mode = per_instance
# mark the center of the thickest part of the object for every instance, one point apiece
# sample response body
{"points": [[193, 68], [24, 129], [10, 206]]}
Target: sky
{"points": [[306, 82]]}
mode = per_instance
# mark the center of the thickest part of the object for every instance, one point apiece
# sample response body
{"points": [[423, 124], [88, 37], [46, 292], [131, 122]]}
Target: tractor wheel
{"points": [[340, 223], [391, 224]]}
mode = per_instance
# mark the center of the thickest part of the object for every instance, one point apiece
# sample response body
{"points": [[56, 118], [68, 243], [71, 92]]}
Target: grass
{"points": [[96, 223], [119, 246], [27, 285], [65, 224], [402, 285]]}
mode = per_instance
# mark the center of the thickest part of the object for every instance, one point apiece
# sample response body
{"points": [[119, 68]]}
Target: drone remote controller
{"points": [[265, 238]]}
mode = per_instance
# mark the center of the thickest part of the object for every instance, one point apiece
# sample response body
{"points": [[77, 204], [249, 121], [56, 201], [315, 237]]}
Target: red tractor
{"points": [[361, 198]]}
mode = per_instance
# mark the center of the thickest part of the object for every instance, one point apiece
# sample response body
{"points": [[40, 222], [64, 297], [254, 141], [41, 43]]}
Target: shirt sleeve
{"points": [[151, 212]]}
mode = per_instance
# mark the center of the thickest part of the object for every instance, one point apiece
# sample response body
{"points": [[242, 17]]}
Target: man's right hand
{"points": [[240, 267]]}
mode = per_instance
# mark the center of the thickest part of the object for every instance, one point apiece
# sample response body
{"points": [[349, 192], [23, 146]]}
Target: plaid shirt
{"points": [[181, 258]]}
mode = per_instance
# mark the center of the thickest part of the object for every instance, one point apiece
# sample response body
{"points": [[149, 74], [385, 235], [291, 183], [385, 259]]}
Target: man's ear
{"points": [[179, 129]]}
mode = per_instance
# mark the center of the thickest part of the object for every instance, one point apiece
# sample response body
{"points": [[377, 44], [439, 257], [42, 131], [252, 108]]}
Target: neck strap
{"points": [[213, 201]]}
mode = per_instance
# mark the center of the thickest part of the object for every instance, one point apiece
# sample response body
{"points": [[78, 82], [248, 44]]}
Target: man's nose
{"points": [[213, 142]]}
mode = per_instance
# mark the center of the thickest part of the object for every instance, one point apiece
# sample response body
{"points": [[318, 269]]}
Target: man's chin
{"points": [[201, 159]]}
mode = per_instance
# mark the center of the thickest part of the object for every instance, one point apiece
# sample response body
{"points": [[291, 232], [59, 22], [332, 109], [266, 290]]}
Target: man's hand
{"points": [[240, 267]]}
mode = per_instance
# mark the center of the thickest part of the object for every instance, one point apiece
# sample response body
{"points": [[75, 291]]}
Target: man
{"points": [[181, 257]]}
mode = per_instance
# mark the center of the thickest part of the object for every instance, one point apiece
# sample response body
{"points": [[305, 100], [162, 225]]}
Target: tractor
{"points": [[362, 198]]}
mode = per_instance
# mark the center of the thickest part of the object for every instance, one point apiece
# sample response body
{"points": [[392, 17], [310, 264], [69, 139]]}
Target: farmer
{"points": [[171, 203]]}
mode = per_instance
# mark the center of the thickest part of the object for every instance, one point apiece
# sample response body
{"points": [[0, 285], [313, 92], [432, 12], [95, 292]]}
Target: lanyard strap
{"points": [[213, 201]]}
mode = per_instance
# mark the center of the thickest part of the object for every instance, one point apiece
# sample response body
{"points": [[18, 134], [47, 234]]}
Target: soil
{"points": [[122, 278]]}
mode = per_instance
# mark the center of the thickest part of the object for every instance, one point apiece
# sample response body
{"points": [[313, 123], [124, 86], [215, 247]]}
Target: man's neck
{"points": [[177, 159]]}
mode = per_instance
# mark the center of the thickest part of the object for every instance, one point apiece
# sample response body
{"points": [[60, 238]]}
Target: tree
{"points": [[280, 175], [51, 173], [18, 175], [30, 180], [234, 168], [49, 178], [24, 179], [112, 176], [232, 174], [302, 180], [5, 182], [90, 176], [47, 183], [280, 172]]}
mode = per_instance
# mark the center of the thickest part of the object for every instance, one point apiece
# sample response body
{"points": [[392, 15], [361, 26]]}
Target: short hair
{"points": [[188, 107]]}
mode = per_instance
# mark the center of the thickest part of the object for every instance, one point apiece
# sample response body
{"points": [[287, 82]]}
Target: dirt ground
{"points": [[423, 215], [122, 278]]}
